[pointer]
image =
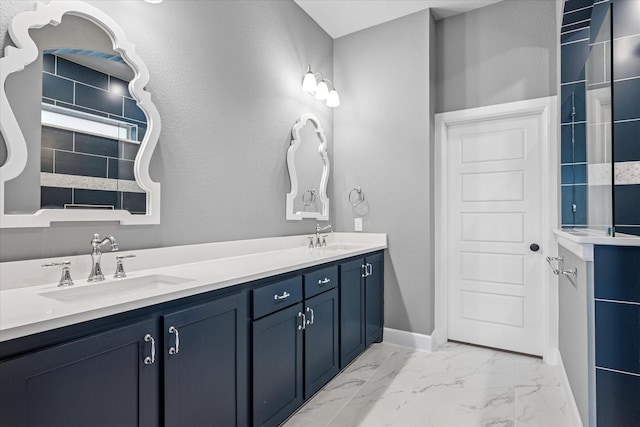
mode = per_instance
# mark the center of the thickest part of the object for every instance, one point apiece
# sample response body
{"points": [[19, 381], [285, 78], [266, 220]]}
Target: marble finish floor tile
{"points": [[457, 386]]}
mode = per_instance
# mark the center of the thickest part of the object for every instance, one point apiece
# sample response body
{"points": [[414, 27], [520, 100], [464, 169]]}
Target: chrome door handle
{"points": [[284, 295], [324, 282], [369, 269], [150, 360], [363, 268], [304, 321], [176, 349], [310, 310]]}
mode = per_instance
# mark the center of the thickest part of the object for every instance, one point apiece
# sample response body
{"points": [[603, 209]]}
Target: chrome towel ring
{"points": [[311, 199], [357, 198]]}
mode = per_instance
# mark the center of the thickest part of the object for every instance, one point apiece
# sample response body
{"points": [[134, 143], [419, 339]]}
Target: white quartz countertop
{"points": [[28, 308], [592, 237]]}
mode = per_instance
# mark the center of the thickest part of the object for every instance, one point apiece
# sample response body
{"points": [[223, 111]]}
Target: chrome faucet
{"points": [[96, 271], [320, 230]]}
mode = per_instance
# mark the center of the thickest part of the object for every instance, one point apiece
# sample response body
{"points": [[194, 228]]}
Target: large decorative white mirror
{"points": [[308, 166], [78, 126]]}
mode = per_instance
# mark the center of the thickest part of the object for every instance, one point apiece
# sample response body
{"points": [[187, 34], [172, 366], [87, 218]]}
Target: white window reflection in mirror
{"points": [[308, 166], [86, 157]]}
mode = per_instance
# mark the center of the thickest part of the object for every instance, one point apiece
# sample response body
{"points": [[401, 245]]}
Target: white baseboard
{"points": [[571, 402], [407, 339]]}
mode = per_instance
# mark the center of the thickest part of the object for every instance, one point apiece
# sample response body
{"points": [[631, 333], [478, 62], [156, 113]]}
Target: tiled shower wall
{"points": [[81, 169], [581, 21]]}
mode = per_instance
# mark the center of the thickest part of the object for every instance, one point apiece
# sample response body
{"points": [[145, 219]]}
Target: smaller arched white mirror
{"points": [[62, 150], [308, 166]]}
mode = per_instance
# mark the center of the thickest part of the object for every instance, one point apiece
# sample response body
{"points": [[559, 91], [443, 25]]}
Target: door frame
{"points": [[546, 109]]}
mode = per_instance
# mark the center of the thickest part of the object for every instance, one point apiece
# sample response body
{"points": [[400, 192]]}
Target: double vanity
{"points": [[241, 333]]}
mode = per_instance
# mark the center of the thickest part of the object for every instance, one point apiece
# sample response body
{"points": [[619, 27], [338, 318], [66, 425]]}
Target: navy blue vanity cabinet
{"points": [[373, 295], [352, 339], [277, 338], [206, 364], [107, 379], [361, 305], [321, 343]]}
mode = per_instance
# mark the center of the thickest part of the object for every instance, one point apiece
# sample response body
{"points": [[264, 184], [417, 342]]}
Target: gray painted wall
{"points": [[573, 301], [382, 144], [225, 76], [496, 54]]}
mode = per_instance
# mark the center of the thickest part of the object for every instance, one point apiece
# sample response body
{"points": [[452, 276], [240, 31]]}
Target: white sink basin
{"points": [[115, 288]]}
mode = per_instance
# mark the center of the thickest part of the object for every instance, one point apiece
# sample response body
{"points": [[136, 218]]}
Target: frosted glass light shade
{"points": [[309, 83], [153, 1], [322, 91], [333, 99]]}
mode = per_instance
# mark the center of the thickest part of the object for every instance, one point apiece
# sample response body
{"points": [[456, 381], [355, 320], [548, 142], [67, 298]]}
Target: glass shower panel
{"points": [[599, 167]]}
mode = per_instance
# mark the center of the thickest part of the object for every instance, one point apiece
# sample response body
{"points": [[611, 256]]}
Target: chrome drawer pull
{"points": [[370, 269], [363, 268], [324, 282], [310, 310], [176, 349], [150, 360], [284, 295], [304, 321]]}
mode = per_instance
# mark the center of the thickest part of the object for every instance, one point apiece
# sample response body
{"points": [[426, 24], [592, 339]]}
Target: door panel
{"points": [[352, 337], [277, 366], [208, 374], [373, 299], [494, 204], [73, 384], [321, 355]]}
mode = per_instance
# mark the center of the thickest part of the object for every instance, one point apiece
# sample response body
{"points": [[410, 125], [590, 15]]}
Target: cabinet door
{"points": [[320, 341], [373, 299], [101, 380], [277, 366], [352, 338], [206, 368]]}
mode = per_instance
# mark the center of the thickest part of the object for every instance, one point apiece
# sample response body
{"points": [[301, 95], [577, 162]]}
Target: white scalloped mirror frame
{"points": [[323, 215], [25, 52]]}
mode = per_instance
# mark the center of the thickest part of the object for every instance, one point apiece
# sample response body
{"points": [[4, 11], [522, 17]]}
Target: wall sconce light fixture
{"points": [[318, 87], [153, 1]]}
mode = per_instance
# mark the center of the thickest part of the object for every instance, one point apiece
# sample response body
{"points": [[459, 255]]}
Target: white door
{"points": [[494, 274]]}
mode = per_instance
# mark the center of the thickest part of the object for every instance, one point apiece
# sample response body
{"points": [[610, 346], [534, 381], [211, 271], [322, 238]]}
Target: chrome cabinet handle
{"points": [[304, 321], [324, 282], [176, 349], [310, 310], [284, 295], [150, 360], [368, 270]]}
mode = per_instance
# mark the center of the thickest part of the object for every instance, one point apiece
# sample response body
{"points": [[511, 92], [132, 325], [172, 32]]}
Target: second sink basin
{"points": [[115, 288]]}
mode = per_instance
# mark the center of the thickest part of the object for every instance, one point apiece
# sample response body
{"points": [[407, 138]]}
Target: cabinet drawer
{"points": [[320, 280], [276, 296]]}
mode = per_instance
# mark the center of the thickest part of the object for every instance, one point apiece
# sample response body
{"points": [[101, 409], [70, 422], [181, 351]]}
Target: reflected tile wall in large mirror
{"points": [[81, 127]]}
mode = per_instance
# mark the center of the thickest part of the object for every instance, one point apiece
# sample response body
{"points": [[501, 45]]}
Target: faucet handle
{"points": [[324, 239], [65, 278], [310, 241], [120, 273]]}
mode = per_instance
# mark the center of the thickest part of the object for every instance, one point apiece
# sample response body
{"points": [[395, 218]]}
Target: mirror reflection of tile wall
{"points": [[83, 170], [582, 21]]}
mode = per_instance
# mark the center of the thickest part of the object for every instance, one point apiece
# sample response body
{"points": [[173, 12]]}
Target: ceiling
{"points": [[342, 17]]}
